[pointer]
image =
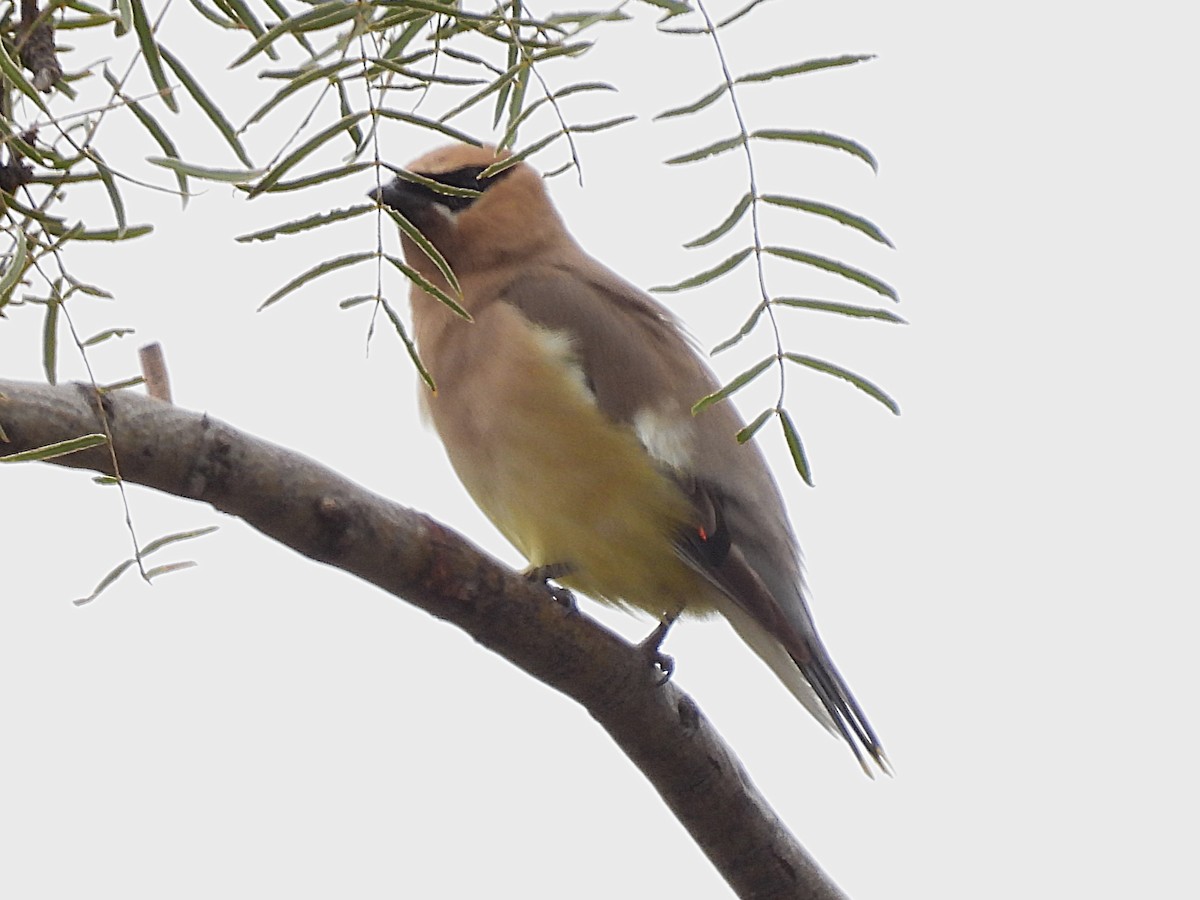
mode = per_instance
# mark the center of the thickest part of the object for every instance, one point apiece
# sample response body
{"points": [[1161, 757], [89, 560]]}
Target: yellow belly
{"points": [[559, 479]]}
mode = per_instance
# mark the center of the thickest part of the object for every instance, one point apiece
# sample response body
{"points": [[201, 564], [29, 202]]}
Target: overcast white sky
{"points": [[1003, 573]]}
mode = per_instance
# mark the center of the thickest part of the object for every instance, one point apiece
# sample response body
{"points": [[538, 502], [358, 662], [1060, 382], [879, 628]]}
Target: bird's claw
{"points": [[664, 663], [545, 574], [650, 649]]}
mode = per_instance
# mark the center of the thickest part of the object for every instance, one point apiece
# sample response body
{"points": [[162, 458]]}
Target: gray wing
{"points": [[634, 355]]}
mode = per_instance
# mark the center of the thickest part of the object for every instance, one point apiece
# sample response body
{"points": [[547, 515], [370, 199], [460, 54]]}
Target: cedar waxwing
{"points": [[565, 409]]}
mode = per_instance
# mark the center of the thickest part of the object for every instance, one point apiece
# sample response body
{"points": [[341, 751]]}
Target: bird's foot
{"points": [[545, 574], [650, 648]]}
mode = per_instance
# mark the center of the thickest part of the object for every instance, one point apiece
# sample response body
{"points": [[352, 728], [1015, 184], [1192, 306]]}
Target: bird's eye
{"points": [[465, 178], [468, 177]]}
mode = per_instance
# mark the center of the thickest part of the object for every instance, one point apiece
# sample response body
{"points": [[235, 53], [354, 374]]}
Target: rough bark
{"points": [[328, 518]]}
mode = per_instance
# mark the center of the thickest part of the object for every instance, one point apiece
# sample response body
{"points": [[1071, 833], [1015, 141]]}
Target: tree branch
{"points": [[35, 44], [328, 518]]}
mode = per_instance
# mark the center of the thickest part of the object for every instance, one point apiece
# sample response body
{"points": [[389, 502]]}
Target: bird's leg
{"points": [[545, 574], [653, 641]]}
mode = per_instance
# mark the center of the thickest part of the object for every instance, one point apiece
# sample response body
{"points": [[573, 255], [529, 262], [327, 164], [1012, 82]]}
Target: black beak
{"points": [[392, 194]]}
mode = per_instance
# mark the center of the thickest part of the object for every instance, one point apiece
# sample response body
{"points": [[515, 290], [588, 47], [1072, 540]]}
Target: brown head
{"points": [[510, 220]]}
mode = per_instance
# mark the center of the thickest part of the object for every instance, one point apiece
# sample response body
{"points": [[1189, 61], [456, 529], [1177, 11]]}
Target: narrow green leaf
{"points": [[506, 141], [93, 20], [177, 537], [742, 332], [477, 21], [324, 15], [206, 173], [151, 547], [514, 57], [107, 334], [427, 248], [705, 277], [587, 19], [516, 96], [281, 12], [581, 87], [299, 225], [79, 233], [66, 170], [249, 21], [593, 127], [428, 286], [705, 152], [837, 268], [423, 78], [483, 93], [105, 582], [322, 268], [673, 7], [449, 9], [732, 219], [347, 108], [319, 178], [90, 289], [15, 269], [110, 185], [151, 125], [844, 309], [386, 21], [750, 430], [213, 15], [704, 29], [52, 451], [135, 381], [820, 139], [36, 214], [707, 100], [124, 17], [351, 302], [812, 65], [48, 221], [858, 223], [737, 14], [297, 81], [64, 85], [554, 173], [312, 144], [168, 568], [792, 436], [430, 124], [734, 386], [520, 156], [406, 36], [145, 34], [867, 387], [470, 58], [409, 345], [206, 104], [576, 49], [50, 341]]}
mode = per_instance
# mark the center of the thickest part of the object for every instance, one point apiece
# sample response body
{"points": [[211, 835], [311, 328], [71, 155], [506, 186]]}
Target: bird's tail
{"points": [[809, 673]]}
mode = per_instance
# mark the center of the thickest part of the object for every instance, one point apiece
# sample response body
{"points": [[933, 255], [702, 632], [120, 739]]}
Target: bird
{"points": [[565, 407]]}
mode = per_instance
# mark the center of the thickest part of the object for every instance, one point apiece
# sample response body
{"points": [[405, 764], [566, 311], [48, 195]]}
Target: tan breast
{"points": [[561, 481]]}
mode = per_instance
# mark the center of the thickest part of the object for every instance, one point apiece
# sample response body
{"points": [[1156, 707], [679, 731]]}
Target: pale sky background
{"points": [[1003, 573]]}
